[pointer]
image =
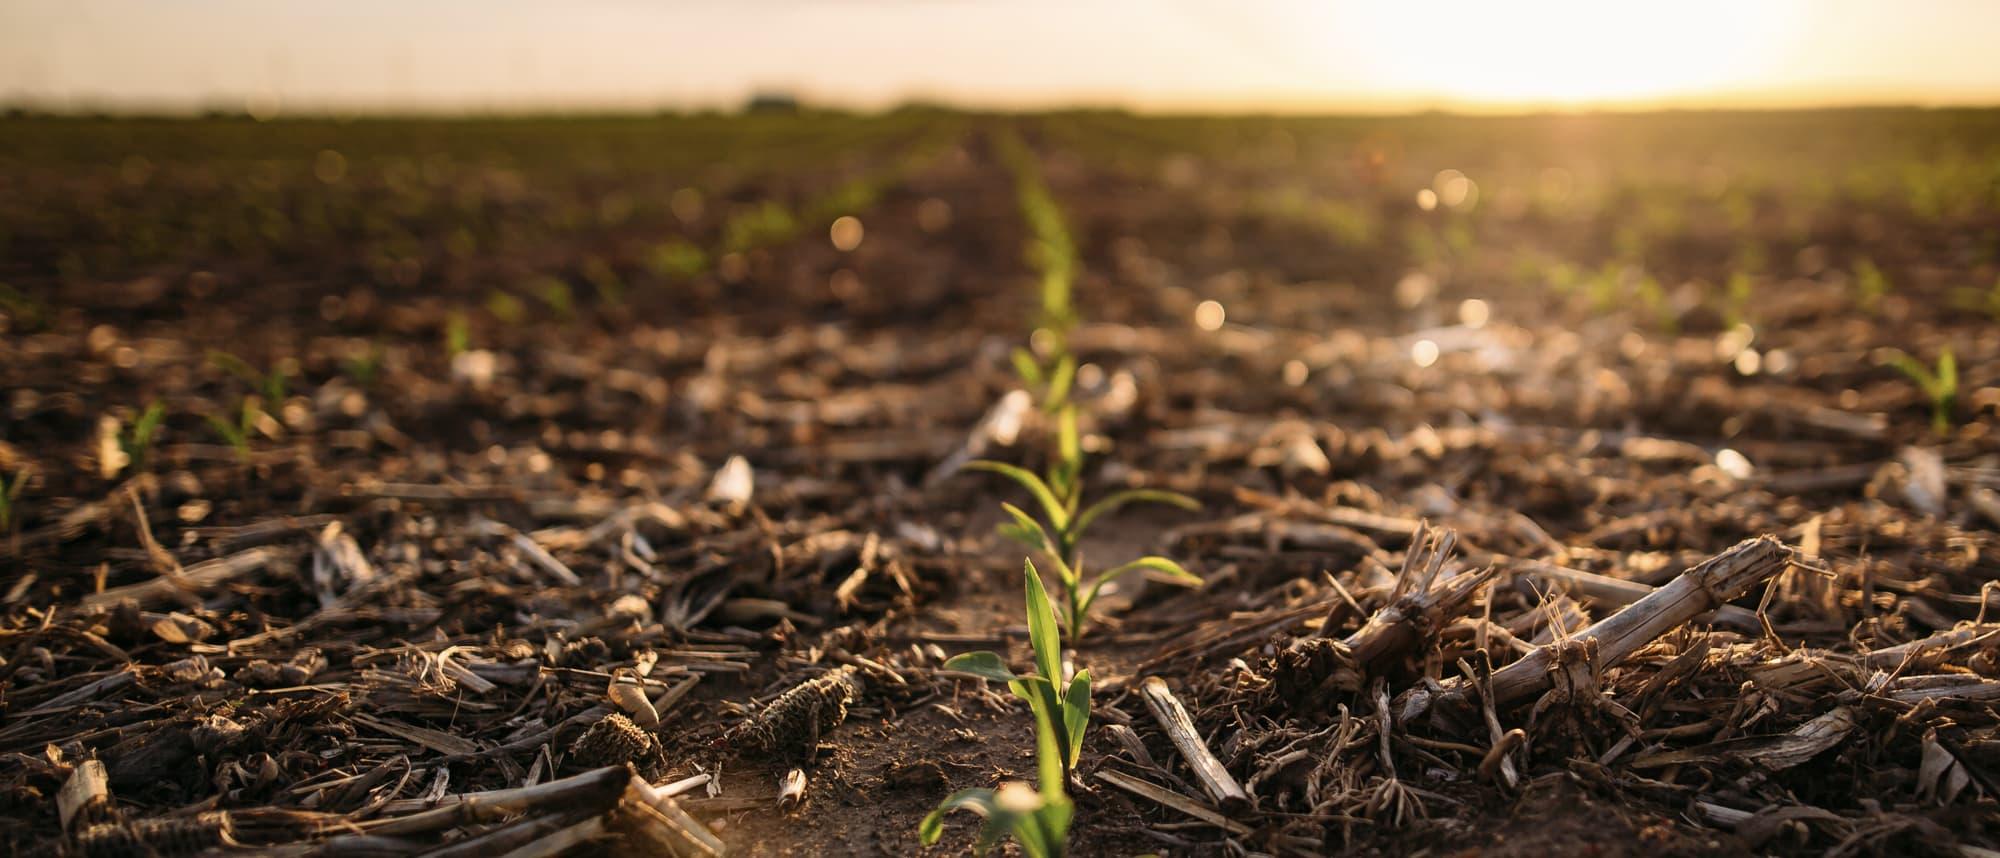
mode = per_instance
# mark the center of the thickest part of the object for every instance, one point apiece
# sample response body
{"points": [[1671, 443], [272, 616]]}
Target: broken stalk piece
{"points": [[1695, 592], [1216, 780], [1418, 608], [792, 790]]}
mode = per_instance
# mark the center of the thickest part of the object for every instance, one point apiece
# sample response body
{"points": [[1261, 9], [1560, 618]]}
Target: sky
{"points": [[1166, 55]]}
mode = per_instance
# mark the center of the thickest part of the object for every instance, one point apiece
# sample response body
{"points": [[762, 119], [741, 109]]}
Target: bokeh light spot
{"points": [[1208, 315], [1733, 463], [1474, 313], [846, 233], [1424, 353]]}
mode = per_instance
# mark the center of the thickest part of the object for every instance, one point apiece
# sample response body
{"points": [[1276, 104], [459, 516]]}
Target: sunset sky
{"points": [[1164, 54]]}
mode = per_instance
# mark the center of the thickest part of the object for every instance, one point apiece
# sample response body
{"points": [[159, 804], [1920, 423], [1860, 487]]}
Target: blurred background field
{"points": [[387, 401]]}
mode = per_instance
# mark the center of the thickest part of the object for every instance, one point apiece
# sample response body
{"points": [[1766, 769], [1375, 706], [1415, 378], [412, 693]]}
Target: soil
{"points": [[1684, 349]]}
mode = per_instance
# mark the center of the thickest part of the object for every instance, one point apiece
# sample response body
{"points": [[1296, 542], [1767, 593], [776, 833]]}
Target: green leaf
{"points": [[1025, 367], [1061, 484], [1028, 538], [1170, 571], [1063, 476], [274, 387], [1051, 760], [1052, 508], [1089, 595], [138, 441], [1069, 469], [1053, 820], [1045, 702], [1069, 446], [1947, 374], [227, 430], [978, 800], [149, 422], [1076, 715], [1060, 380], [1115, 500], [1037, 690], [457, 334], [235, 366], [1913, 368], [996, 827], [1032, 534], [1043, 634], [986, 665], [1035, 838], [248, 421]]}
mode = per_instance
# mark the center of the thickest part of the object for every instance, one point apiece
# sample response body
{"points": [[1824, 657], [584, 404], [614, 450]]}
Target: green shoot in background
{"points": [[364, 365], [137, 442], [457, 334], [273, 384], [1870, 284], [10, 491], [238, 433], [1053, 253], [1940, 386]]}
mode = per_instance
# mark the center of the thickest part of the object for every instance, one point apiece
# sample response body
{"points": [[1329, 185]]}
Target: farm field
{"points": [[1620, 484]]}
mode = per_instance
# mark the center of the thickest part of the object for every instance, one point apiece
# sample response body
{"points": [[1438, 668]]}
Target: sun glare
{"points": [[1576, 52]]}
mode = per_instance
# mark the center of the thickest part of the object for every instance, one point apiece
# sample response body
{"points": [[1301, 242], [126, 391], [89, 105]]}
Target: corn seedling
{"points": [[457, 334], [1065, 519], [556, 294], [1737, 296], [237, 433], [1940, 385], [1051, 251], [1060, 495], [1038, 819], [10, 493], [610, 288], [1049, 370], [677, 259], [511, 311], [1603, 287], [137, 439], [1870, 285], [855, 196], [1050, 384], [771, 223], [761, 226], [25, 313], [364, 365], [1653, 297], [273, 384]]}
